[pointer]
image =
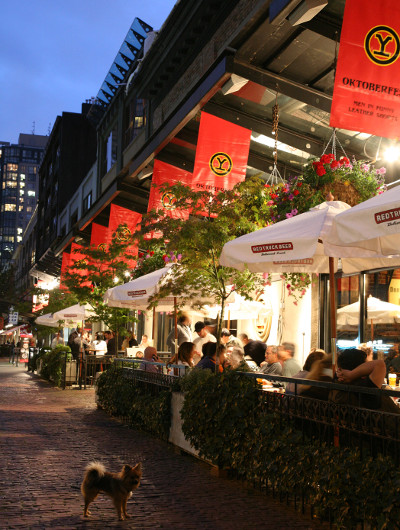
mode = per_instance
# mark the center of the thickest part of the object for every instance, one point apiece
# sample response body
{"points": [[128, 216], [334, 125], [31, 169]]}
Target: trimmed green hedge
{"points": [[223, 419], [136, 404]]}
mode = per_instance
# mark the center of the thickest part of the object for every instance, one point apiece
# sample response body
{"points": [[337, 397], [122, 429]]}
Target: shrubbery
{"points": [[53, 362], [136, 404], [224, 419]]}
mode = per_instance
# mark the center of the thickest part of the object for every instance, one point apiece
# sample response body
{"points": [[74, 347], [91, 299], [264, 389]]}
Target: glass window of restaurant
{"points": [[376, 322]]}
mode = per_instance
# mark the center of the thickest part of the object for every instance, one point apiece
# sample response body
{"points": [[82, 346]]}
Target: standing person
{"points": [[184, 332], [112, 347], [290, 366], [203, 336], [100, 345], [57, 340], [272, 366], [253, 348], [75, 340]]}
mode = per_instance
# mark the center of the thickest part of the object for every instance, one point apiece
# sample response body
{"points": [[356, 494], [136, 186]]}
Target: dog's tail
{"points": [[94, 471]]}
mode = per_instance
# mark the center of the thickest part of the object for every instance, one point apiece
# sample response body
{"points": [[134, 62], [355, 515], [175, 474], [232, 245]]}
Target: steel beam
{"points": [[285, 86]]}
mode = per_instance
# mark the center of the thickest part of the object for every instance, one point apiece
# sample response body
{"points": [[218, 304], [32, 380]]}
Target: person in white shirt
{"points": [[100, 345], [201, 328]]}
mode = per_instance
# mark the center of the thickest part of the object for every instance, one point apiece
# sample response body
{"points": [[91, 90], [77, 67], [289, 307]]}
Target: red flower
{"points": [[320, 170], [335, 164], [344, 160], [327, 159], [152, 253], [141, 255], [299, 184], [296, 192]]}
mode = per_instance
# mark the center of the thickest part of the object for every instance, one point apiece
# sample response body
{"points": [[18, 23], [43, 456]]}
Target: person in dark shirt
{"points": [[354, 370], [209, 359], [253, 348]]}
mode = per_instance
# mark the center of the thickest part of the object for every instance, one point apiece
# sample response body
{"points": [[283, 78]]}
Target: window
{"points": [[31, 193], [74, 218], [111, 149], [19, 239], [10, 207], [9, 184], [87, 202]]}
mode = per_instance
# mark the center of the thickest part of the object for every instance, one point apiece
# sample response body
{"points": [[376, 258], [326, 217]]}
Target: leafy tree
{"points": [[213, 220], [88, 278]]}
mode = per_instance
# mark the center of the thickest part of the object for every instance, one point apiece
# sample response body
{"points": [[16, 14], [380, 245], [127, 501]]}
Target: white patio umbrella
{"points": [[47, 320], [378, 312], [75, 313], [136, 295], [238, 309], [373, 224], [299, 244]]}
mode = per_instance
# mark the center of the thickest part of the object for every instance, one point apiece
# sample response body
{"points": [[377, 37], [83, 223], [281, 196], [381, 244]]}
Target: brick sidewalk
{"points": [[49, 435]]}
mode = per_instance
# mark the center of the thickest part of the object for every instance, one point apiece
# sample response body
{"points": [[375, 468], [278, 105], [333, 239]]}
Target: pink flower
{"points": [[289, 215], [294, 211], [179, 256]]}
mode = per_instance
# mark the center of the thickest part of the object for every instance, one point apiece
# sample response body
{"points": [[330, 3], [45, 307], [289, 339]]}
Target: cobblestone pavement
{"points": [[47, 436]]}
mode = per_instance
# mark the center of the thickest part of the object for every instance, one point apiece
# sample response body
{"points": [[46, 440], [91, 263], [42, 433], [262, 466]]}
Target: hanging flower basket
{"points": [[323, 179]]}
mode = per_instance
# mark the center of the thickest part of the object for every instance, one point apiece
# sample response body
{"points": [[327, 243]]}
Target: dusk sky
{"points": [[56, 54]]}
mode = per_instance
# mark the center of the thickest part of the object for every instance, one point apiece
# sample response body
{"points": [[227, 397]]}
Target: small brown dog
{"points": [[118, 486]]}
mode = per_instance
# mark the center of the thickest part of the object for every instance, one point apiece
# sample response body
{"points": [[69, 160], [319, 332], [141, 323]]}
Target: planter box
{"points": [[176, 435]]}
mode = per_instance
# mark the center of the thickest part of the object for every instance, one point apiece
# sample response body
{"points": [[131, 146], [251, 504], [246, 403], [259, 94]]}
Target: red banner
{"points": [[221, 154], [66, 257], [165, 173], [366, 95], [123, 216], [77, 256], [100, 237]]}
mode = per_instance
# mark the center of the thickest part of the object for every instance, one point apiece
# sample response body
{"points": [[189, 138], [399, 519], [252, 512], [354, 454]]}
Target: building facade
{"points": [[19, 177], [70, 154]]}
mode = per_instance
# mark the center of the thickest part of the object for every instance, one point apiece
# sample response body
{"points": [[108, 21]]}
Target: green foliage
{"points": [[136, 404], [199, 236], [99, 270], [53, 362], [223, 419], [351, 182], [149, 261]]}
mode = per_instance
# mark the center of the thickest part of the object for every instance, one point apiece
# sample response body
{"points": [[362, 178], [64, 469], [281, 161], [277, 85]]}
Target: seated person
{"points": [[209, 359], [150, 354], [354, 370], [286, 357], [253, 348], [313, 356], [184, 358], [320, 371], [236, 360], [229, 340], [272, 365]]}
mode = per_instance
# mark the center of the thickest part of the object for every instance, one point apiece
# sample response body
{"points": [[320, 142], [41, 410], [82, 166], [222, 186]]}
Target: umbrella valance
{"points": [[47, 320], [300, 244], [74, 314], [372, 224]]}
